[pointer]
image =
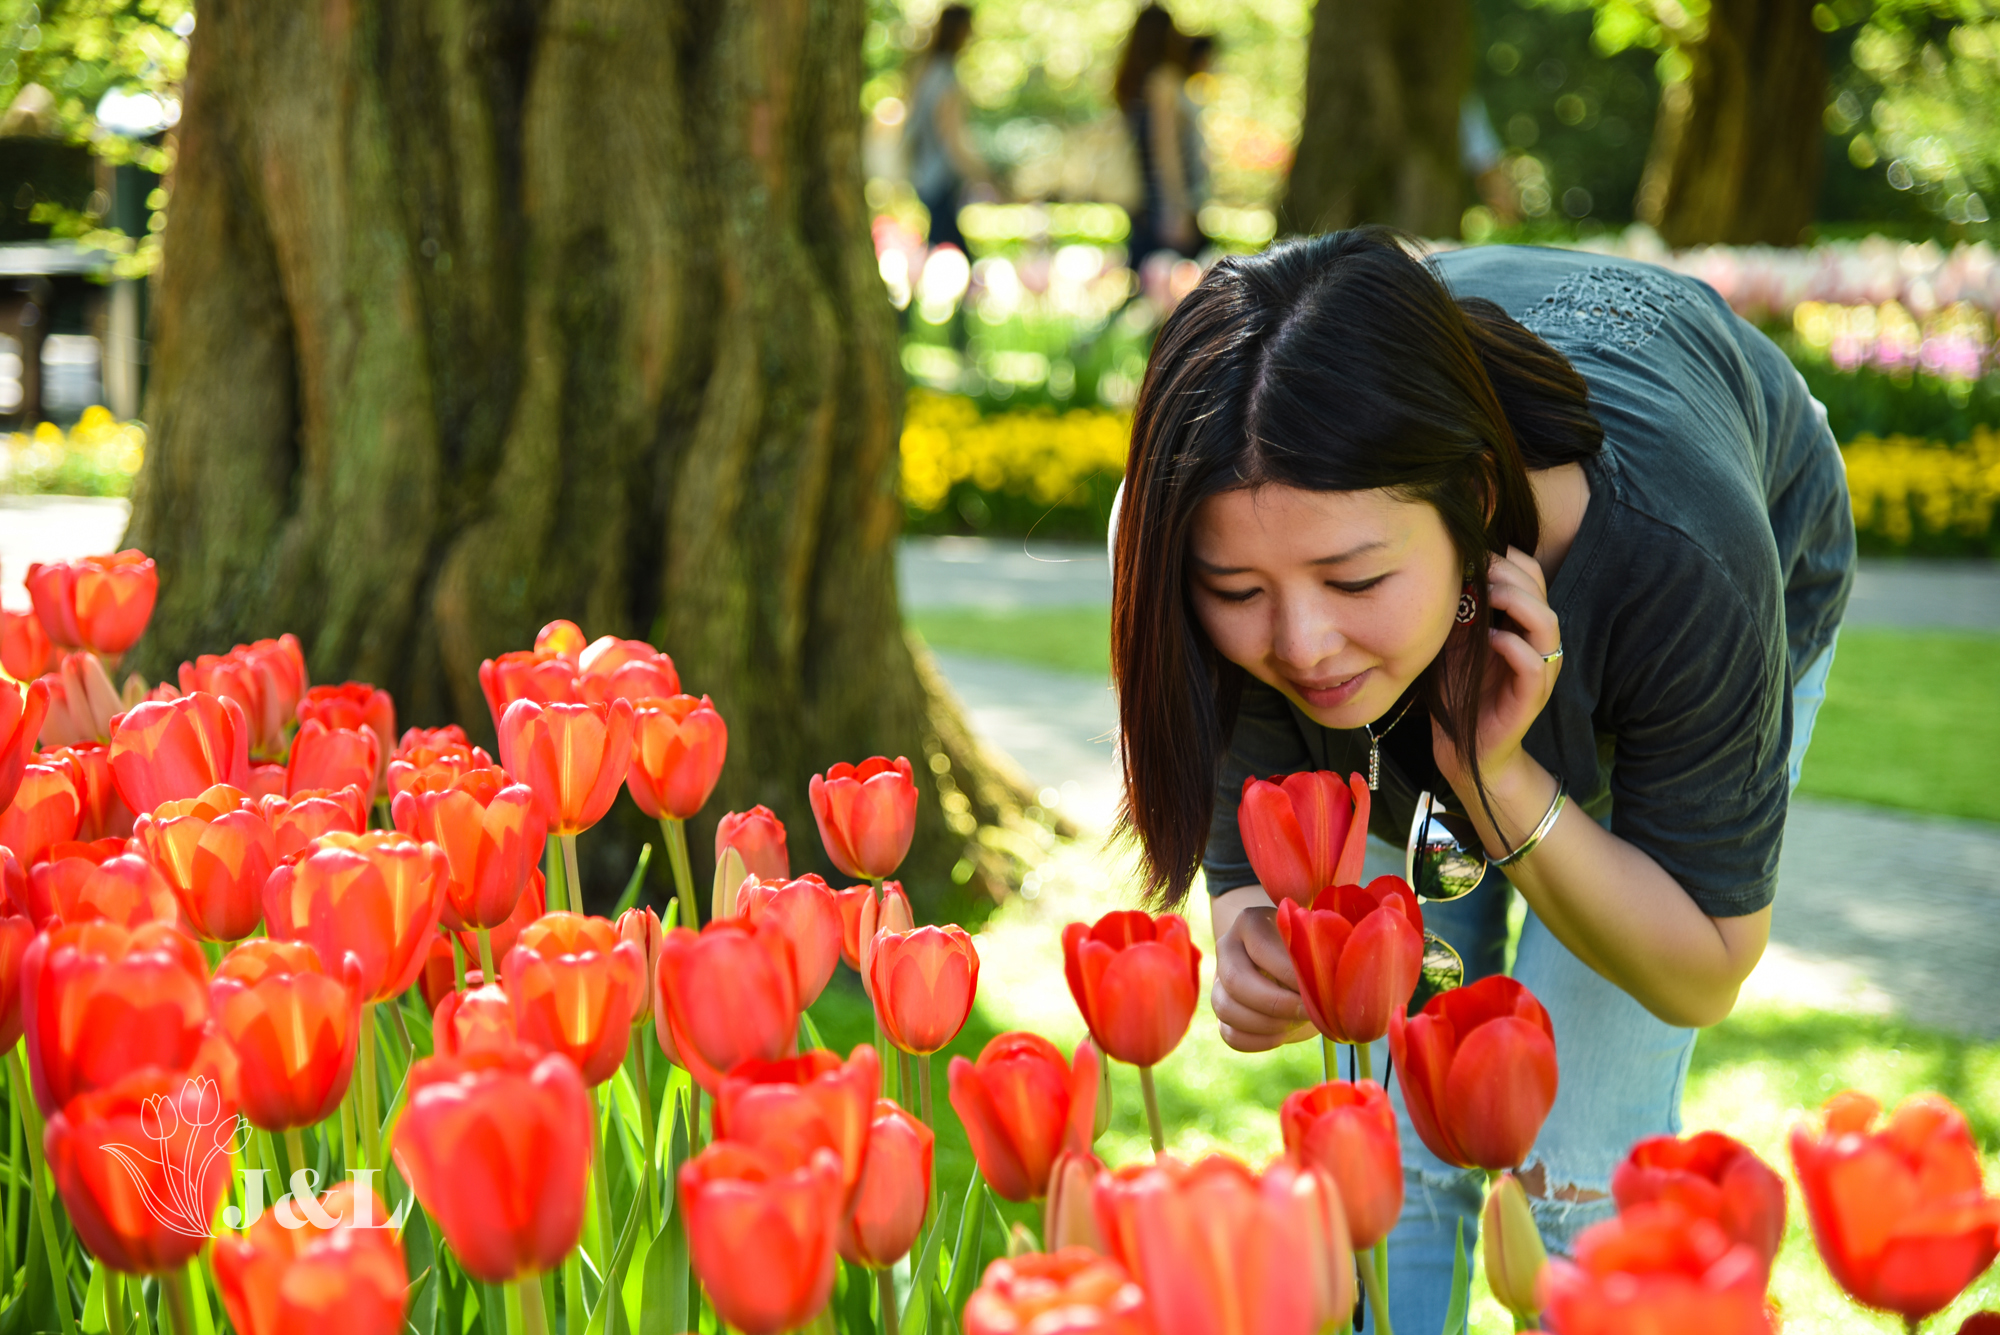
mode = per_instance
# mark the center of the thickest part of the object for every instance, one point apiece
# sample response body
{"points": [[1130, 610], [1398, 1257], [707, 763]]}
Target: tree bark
{"points": [[478, 313], [1379, 142], [1736, 150]]}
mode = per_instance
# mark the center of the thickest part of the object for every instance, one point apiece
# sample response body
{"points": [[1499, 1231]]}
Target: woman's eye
{"points": [[1358, 586], [1234, 595]]}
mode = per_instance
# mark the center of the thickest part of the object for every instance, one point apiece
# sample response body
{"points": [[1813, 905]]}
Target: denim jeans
{"points": [[1623, 1072]]}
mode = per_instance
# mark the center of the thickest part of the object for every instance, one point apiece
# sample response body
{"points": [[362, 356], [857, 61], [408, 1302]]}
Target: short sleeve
{"points": [[1266, 741]]}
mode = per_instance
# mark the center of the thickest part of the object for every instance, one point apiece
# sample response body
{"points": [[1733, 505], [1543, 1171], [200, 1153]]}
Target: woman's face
{"points": [[1339, 599]]}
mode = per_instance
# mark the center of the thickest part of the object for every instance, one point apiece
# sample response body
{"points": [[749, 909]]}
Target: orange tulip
{"points": [[1478, 1071], [298, 820], [1022, 1106], [293, 1027], [496, 1146], [886, 1213], [761, 1233], [1358, 953], [677, 750], [575, 986], [1071, 1291], [758, 837], [22, 710], [491, 831], [724, 997], [58, 878], [1219, 1248], [542, 677], [99, 1001], [888, 913], [1304, 832], [867, 814], [440, 972], [923, 982], [82, 701], [1350, 1131], [375, 894], [101, 882], [167, 749], [641, 926], [324, 757], [611, 669], [16, 932], [216, 850], [804, 911], [99, 603], [267, 678], [851, 902], [1900, 1211], [26, 651], [276, 1280], [1710, 1176], [1136, 979], [574, 757], [13, 883], [44, 812], [422, 748], [799, 1104], [141, 1165], [479, 1019], [1653, 1270], [102, 813], [527, 909], [355, 704], [562, 638], [269, 781]]}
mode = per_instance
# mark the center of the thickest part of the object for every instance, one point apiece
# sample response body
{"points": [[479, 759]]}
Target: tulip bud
{"points": [[562, 638], [729, 878], [758, 837], [1511, 1248], [641, 927], [1069, 1218]]}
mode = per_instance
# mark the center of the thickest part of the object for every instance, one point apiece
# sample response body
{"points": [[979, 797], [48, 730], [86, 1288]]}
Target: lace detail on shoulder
{"points": [[1604, 304]]}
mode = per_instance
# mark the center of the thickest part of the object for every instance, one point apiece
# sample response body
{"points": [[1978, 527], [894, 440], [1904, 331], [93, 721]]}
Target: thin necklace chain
{"points": [[1375, 744]]}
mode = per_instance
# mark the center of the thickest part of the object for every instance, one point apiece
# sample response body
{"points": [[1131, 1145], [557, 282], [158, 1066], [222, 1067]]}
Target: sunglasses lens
{"points": [[1443, 970], [1444, 860]]}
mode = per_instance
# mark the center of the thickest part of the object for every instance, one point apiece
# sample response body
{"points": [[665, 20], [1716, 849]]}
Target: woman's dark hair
{"points": [[1336, 363], [1153, 42], [949, 35]]}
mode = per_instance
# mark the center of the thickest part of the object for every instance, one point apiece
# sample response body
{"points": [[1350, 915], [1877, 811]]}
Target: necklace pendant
{"points": [[1374, 764]]}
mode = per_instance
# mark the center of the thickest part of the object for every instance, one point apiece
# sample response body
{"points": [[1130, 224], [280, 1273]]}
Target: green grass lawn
{"points": [[1912, 718]]}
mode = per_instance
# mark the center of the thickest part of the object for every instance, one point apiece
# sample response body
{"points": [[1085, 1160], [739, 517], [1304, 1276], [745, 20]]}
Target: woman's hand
{"points": [[1518, 681], [1256, 994]]}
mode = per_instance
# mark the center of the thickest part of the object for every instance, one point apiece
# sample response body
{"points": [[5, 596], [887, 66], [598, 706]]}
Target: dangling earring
{"points": [[1468, 606]]}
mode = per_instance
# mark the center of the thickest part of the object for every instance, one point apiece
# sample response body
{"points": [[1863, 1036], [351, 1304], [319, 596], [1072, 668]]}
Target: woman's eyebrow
{"points": [[1333, 560]]}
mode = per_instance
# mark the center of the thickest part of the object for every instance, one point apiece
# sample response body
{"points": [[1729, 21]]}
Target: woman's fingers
{"points": [[1249, 995], [1527, 608]]}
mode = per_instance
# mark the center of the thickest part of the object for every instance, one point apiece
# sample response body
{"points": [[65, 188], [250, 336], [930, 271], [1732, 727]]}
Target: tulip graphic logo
{"points": [[191, 1136]]}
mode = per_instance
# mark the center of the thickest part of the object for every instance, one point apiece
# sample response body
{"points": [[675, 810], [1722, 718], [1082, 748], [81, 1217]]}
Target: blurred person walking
{"points": [[942, 159], [1151, 91]]}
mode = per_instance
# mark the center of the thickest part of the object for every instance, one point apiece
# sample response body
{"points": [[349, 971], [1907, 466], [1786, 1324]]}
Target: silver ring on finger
{"points": [[1555, 657]]}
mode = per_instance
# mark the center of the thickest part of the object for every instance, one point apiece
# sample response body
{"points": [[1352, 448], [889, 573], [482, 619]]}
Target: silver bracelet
{"points": [[1541, 831]]}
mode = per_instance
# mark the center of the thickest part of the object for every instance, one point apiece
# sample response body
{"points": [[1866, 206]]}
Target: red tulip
{"points": [[758, 837], [867, 814], [141, 1165], [99, 603], [641, 927], [804, 911], [298, 820], [1358, 954], [99, 1001], [677, 750], [1478, 1070], [1304, 832], [1022, 1105], [491, 831], [613, 669], [100, 882], [22, 710], [544, 678], [167, 749], [58, 878], [564, 639], [761, 1231], [267, 678], [724, 997], [293, 1027], [574, 757], [923, 982], [13, 883], [44, 812], [1900, 1214], [102, 813], [424, 748], [1073, 1291], [851, 901], [1655, 1270], [354, 704], [324, 757], [16, 932], [276, 1280], [376, 895], [25, 649], [1219, 1248], [575, 987], [799, 1104], [479, 1019], [1350, 1131], [216, 851], [1136, 979], [270, 780], [886, 1213], [1711, 1177], [496, 1146]]}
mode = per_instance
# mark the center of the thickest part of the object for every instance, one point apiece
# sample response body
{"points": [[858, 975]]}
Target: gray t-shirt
{"points": [[1711, 569]]}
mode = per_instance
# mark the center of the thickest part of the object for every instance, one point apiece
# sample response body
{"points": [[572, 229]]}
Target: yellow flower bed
{"points": [[1034, 452], [1902, 486], [99, 456]]}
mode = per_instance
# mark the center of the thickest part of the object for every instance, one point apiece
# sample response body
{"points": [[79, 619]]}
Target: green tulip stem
{"points": [[1364, 1062], [601, 1182], [924, 1088], [45, 1221], [350, 1156], [573, 1309], [674, 832], [295, 1150], [885, 1295], [553, 899], [486, 972], [643, 1086], [694, 1118], [114, 1302], [888, 1089], [1328, 1064], [174, 1298], [13, 1191], [906, 1076], [1377, 1291], [457, 961], [1152, 1110], [572, 879], [524, 1308], [368, 1114], [1382, 1269]]}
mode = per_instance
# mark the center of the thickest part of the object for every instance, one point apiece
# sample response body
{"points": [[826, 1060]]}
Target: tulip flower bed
{"points": [[303, 1029]]}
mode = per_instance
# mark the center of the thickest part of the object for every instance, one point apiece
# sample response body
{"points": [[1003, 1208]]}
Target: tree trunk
{"points": [[478, 313], [1379, 143], [1736, 150]]}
